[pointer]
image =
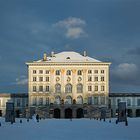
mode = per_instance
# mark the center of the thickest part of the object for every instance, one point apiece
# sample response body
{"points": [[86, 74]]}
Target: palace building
{"points": [[68, 78], [68, 85]]}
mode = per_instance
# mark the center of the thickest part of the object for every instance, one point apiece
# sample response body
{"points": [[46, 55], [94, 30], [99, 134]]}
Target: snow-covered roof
{"points": [[68, 57]]}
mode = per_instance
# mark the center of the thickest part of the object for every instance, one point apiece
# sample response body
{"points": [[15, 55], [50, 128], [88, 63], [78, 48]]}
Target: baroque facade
{"points": [[68, 78]]}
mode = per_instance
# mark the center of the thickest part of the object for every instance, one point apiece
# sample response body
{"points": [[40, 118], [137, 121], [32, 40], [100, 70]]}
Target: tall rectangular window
{"points": [[96, 88], [47, 88], [96, 71], [96, 79], [40, 101], [40, 79], [41, 88], [34, 101], [47, 71], [89, 88], [96, 100], [102, 78], [57, 72], [47, 101], [34, 88], [34, 71], [89, 71], [34, 79], [102, 100], [79, 72], [89, 78], [102, 71], [47, 79], [102, 88], [40, 71]]}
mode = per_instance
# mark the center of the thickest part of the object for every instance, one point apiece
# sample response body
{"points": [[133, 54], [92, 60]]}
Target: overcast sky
{"points": [[109, 30]]}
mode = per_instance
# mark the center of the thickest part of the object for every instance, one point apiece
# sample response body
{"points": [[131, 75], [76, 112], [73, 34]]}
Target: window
{"points": [[102, 71], [102, 100], [47, 79], [18, 102], [128, 102], [96, 88], [89, 71], [40, 79], [79, 88], [95, 71], [68, 72], [89, 78], [89, 88], [96, 78], [40, 101], [34, 78], [68, 100], [102, 78], [34, 101], [47, 101], [57, 88], [96, 100], [102, 88], [57, 72], [68, 88], [57, 100], [34, 88], [79, 100], [138, 102], [41, 88], [34, 71], [79, 72], [40, 71], [47, 88], [47, 71]]}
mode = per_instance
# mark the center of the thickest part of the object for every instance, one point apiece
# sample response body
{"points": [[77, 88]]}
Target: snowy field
{"points": [[64, 129]]}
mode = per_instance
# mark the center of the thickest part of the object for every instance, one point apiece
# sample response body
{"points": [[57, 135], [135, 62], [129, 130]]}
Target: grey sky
{"points": [[109, 30]]}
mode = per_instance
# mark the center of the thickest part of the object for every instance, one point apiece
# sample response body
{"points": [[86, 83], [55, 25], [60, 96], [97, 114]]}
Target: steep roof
{"points": [[68, 57]]}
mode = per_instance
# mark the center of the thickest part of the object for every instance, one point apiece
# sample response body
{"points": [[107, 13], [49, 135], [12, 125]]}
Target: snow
{"points": [[64, 129], [69, 57]]}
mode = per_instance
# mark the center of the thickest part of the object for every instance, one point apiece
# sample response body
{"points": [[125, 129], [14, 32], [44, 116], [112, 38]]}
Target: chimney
{"points": [[85, 53], [52, 54], [45, 57]]}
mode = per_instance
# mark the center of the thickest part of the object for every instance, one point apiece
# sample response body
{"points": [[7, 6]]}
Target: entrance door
{"points": [[68, 113], [57, 113], [79, 113]]}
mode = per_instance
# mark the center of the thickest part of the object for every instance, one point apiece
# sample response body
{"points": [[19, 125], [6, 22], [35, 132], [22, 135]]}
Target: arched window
{"points": [[68, 100], [79, 72], [68, 72], [79, 88], [57, 72], [68, 88], [79, 100], [57, 88], [57, 100]]}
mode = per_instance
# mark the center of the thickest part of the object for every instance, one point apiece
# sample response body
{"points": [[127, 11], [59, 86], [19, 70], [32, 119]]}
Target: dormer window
{"points": [[68, 58]]}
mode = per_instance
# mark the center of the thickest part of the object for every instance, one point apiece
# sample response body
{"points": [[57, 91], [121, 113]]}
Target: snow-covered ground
{"points": [[64, 129]]}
